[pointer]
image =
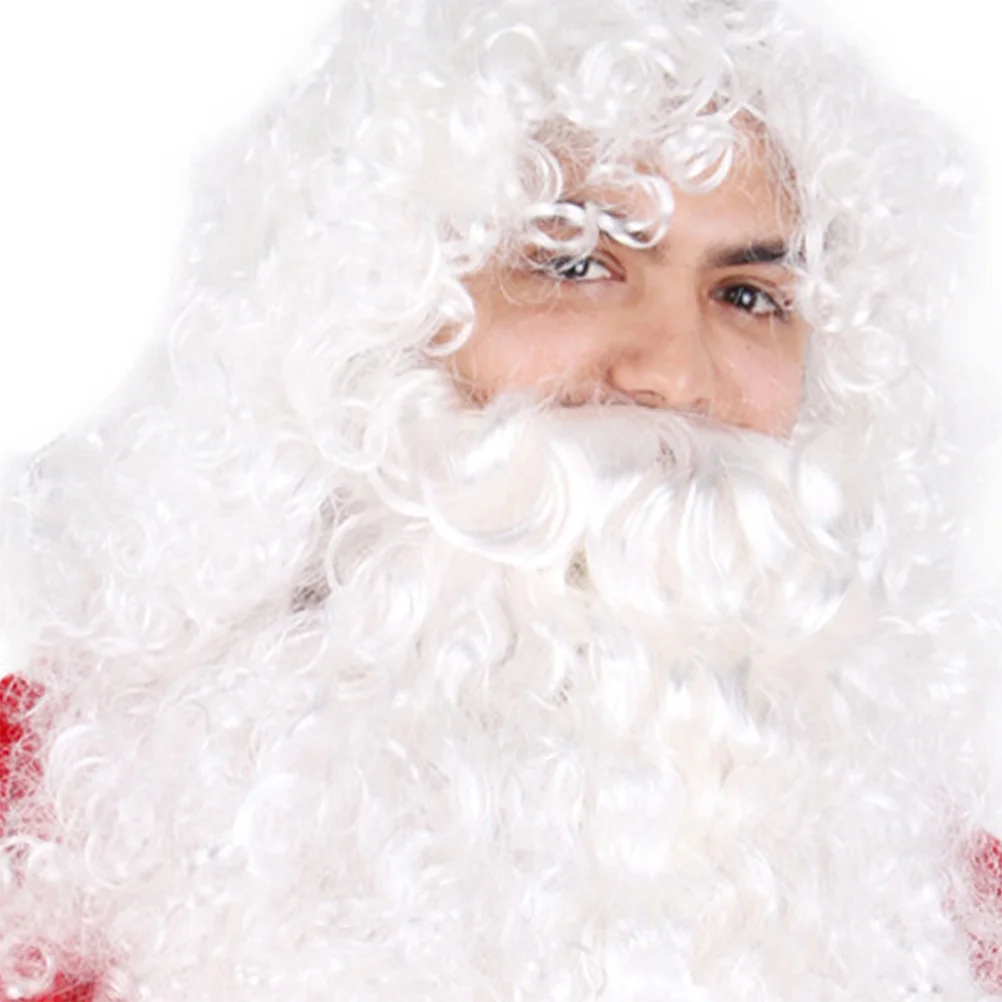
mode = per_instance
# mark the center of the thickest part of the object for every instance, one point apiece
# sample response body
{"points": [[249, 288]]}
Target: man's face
{"points": [[701, 323]]}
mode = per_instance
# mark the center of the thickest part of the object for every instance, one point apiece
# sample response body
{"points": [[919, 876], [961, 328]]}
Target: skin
{"points": [[702, 323]]}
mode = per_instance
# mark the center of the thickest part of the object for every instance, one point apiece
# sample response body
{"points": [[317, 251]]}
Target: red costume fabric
{"points": [[18, 771], [986, 885]]}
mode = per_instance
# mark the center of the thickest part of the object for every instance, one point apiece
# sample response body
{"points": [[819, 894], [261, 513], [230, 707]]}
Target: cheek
{"points": [[769, 378], [518, 351]]}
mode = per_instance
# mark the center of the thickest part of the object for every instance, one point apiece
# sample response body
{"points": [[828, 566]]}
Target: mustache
{"points": [[533, 487]]}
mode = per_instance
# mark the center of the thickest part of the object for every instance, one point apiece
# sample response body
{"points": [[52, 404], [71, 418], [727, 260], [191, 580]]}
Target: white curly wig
{"points": [[345, 689]]}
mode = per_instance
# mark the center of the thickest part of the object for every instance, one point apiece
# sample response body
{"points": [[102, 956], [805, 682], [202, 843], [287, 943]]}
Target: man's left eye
{"points": [[752, 300], [576, 269]]}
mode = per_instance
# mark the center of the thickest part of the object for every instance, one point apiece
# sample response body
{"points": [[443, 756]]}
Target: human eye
{"points": [[575, 269], [752, 300]]}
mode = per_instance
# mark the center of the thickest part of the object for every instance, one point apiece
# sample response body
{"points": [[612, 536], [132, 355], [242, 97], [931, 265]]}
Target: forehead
{"points": [[754, 200]]}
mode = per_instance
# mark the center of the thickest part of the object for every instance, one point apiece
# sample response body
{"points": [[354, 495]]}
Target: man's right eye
{"points": [[575, 269]]}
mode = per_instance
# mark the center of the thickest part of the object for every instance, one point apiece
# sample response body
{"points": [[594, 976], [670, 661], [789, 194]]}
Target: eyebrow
{"points": [[774, 250], [765, 252]]}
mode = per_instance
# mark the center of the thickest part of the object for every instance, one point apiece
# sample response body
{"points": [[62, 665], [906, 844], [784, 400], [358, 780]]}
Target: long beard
{"points": [[575, 702]]}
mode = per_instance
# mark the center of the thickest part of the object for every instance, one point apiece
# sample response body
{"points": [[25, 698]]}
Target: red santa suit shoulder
{"points": [[18, 772]]}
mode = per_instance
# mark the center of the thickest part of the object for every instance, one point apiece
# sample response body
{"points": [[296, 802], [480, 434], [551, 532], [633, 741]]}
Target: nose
{"points": [[663, 359]]}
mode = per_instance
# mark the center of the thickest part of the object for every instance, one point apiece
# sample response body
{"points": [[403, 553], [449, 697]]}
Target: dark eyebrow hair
{"points": [[767, 252]]}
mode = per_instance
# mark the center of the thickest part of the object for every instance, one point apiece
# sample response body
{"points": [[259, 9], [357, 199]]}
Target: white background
{"points": [[104, 102]]}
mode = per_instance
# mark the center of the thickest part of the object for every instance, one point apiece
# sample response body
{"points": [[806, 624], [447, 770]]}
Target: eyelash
{"points": [[561, 269], [730, 293]]}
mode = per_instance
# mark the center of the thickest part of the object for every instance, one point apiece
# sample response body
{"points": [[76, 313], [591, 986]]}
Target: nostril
{"points": [[648, 398], [700, 407]]}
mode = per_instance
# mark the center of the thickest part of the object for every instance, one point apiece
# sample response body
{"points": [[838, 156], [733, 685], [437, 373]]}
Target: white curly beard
{"points": [[585, 703]]}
